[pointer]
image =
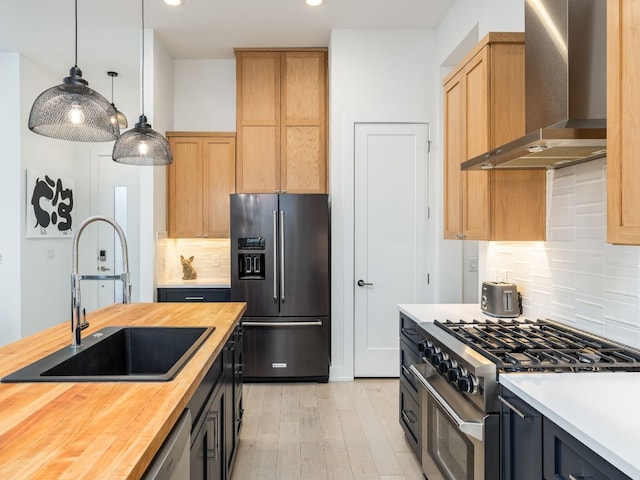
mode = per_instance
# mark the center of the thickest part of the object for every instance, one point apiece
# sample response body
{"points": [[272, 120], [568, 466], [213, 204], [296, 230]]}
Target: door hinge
{"points": [[428, 146], [428, 278], [428, 213]]}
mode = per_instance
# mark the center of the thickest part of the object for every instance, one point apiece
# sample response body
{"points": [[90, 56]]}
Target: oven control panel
{"points": [[449, 367]]}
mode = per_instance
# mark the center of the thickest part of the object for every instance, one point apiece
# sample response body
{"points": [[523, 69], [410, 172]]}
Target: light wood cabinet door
{"points": [[258, 121], [475, 203], [184, 191], [219, 181], [623, 122], [483, 109], [303, 142], [281, 121], [454, 154], [199, 181]]}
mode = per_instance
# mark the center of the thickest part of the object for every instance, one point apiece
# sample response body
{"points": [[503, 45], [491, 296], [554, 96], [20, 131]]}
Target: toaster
{"points": [[500, 299]]}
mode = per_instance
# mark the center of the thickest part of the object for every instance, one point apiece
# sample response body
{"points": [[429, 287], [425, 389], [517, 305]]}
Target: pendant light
{"points": [[122, 120], [142, 145], [73, 111]]}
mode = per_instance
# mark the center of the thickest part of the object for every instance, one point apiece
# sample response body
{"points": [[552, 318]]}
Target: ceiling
{"points": [[109, 30]]}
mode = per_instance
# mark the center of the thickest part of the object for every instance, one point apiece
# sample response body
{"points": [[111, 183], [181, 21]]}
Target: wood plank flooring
{"points": [[336, 430]]}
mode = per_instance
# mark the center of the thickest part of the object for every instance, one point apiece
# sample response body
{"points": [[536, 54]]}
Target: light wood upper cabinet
{"points": [[281, 121], [483, 109], [200, 180], [623, 122]]}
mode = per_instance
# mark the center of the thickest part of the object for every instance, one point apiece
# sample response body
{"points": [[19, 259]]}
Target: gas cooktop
{"points": [[543, 345]]}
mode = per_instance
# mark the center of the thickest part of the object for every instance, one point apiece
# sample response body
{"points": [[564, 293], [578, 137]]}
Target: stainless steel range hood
{"points": [[565, 88]]}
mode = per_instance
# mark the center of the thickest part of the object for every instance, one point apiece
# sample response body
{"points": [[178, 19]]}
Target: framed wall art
{"points": [[49, 205]]}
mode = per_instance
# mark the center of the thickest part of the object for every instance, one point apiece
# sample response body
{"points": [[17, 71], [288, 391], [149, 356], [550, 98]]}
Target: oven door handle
{"points": [[473, 429]]}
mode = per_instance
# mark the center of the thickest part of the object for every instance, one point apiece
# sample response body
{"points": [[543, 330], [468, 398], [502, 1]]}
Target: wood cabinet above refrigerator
{"points": [[483, 108], [281, 121]]}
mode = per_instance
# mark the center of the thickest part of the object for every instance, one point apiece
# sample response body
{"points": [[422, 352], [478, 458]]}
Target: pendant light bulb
{"points": [[142, 145], [73, 111]]}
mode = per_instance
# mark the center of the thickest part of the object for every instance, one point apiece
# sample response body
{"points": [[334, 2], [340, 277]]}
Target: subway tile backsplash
{"points": [[211, 260], [574, 277]]}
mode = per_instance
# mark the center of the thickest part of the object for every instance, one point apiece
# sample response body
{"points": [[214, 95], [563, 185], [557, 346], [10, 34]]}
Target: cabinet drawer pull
{"points": [[406, 418], [194, 298], [212, 435], [513, 408], [580, 476]]}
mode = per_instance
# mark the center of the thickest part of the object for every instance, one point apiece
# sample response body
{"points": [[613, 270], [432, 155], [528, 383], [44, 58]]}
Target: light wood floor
{"points": [[336, 430]]}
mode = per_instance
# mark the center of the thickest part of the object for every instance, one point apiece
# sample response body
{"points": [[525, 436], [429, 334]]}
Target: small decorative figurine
{"points": [[188, 272]]}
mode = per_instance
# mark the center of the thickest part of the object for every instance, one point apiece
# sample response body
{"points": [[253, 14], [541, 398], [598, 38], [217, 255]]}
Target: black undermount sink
{"points": [[118, 354]]}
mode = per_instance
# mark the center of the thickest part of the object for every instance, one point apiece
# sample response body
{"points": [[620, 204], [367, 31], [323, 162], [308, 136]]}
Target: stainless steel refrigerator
{"points": [[280, 267]]}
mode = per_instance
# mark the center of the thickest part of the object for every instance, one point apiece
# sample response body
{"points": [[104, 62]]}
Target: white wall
{"points": [[10, 195], [205, 97], [374, 76]]}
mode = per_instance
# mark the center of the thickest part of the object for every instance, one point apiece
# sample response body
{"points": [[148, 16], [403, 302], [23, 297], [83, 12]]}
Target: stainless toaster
{"points": [[500, 299]]}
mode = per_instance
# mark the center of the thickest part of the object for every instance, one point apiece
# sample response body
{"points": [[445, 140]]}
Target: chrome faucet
{"points": [[78, 317]]}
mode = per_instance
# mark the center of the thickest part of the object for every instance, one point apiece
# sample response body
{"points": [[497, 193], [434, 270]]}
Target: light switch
{"points": [[473, 264], [51, 254]]}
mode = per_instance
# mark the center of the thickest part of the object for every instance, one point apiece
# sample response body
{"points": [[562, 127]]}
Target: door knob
{"points": [[104, 269], [362, 283]]}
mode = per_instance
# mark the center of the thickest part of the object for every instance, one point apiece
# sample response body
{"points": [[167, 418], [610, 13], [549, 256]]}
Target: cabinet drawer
{"points": [[409, 355], [194, 294], [565, 457], [411, 420], [409, 330]]}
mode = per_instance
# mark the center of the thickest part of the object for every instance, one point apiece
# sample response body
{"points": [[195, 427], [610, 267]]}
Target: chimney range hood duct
{"points": [[565, 88]]}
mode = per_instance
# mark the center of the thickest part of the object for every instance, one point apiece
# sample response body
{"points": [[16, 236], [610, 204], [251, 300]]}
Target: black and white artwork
{"points": [[49, 205]]}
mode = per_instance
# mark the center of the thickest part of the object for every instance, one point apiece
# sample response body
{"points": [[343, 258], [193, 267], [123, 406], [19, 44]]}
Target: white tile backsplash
{"points": [[575, 277]]}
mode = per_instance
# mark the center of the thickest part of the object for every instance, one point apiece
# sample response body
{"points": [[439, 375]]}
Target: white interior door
{"points": [[390, 252], [115, 194]]}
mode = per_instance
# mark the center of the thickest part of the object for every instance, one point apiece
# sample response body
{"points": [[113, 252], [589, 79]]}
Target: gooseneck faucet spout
{"points": [[78, 318]]}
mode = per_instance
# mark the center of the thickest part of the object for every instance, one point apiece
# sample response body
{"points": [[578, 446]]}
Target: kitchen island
{"points": [[101, 430]]}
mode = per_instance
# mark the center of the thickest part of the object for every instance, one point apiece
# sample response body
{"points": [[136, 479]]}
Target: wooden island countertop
{"points": [[100, 430]]}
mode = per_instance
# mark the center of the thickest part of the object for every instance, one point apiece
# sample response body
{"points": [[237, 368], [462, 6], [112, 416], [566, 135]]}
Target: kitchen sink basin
{"points": [[119, 354]]}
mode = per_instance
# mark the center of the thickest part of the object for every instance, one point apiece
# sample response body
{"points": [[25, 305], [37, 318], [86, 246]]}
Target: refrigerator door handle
{"points": [[282, 256], [315, 323], [275, 256]]}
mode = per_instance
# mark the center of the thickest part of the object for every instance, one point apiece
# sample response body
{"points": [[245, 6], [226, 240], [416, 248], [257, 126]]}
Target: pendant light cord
{"points": [[142, 64], [76, 59]]}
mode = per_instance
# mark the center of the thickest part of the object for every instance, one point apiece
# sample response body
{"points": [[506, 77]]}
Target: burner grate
{"points": [[526, 345]]}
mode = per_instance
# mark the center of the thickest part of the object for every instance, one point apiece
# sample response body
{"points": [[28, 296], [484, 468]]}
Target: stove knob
{"points": [[465, 384], [422, 346], [429, 351], [436, 358], [445, 365], [454, 374]]}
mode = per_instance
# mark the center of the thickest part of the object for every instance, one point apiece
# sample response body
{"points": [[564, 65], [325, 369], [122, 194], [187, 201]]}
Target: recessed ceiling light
{"points": [[313, 3], [174, 3]]}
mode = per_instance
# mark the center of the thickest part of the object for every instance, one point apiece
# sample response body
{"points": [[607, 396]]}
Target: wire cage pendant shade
{"points": [[120, 117], [142, 145], [73, 111]]}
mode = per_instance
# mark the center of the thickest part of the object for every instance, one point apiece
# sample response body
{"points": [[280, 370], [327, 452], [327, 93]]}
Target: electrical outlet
{"points": [[216, 259], [51, 254], [0, 259]]}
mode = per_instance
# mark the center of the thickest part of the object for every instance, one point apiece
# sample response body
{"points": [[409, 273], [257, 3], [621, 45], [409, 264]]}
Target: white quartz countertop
{"points": [[600, 409], [428, 312]]}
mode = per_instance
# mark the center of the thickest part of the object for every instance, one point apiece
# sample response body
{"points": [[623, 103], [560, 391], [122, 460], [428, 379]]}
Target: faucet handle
{"points": [[83, 324]]}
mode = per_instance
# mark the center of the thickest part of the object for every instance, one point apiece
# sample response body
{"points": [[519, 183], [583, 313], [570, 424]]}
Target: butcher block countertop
{"points": [[100, 430]]}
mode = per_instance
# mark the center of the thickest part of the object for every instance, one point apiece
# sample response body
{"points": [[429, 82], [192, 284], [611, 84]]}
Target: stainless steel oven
{"points": [[454, 434]]}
